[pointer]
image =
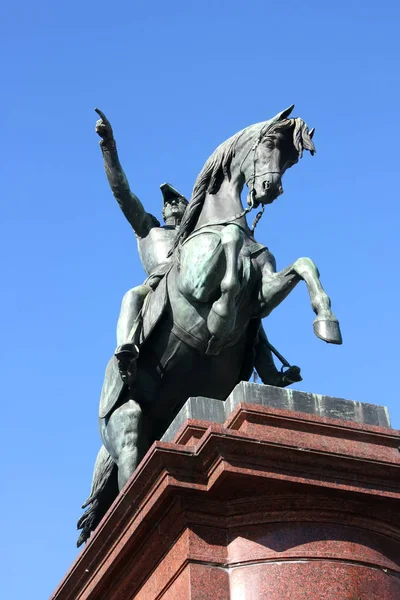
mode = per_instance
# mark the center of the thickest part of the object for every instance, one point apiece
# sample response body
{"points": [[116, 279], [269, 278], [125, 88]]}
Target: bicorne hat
{"points": [[169, 193]]}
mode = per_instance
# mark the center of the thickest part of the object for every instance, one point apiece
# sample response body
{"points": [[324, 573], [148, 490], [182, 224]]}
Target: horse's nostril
{"points": [[266, 185]]}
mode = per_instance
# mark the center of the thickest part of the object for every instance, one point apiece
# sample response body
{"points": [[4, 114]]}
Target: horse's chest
{"points": [[154, 248]]}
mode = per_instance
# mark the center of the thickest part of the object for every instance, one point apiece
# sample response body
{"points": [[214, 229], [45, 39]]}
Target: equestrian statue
{"points": [[193, 328]]}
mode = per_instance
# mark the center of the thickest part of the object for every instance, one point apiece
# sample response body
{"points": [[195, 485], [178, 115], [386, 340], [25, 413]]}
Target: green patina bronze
{"points": [[193, 328]]}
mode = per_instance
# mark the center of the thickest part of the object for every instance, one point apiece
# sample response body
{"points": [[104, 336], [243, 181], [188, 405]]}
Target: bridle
{"points": [[253, 178], [252, 203]]}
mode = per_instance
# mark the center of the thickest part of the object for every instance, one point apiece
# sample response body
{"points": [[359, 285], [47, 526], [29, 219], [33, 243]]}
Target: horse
{"points": [[200, 325]]}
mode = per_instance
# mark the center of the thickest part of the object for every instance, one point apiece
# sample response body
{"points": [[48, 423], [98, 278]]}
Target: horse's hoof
{"points": [[328, 330]]}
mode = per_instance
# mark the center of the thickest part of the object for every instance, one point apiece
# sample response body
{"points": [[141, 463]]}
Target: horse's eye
{"points": [[269, 144]]}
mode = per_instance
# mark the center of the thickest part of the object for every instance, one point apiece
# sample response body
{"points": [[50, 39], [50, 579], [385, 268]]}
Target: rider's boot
{"points": [[289, 376], [127, 355]]}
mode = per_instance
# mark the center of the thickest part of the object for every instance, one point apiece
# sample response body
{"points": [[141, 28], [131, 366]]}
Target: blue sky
{"points": [[176, 78]]}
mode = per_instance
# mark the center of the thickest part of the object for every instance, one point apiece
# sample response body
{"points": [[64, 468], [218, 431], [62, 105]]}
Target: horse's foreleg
{"points": [[222, 317], [326, 325], [276, 286]]}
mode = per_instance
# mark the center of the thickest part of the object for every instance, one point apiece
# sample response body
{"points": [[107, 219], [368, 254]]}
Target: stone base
{"points": [[273, 504], [218, 411]]}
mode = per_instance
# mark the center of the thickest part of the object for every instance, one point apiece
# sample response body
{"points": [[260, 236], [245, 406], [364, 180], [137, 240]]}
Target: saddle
{"points": [[151, 313]]}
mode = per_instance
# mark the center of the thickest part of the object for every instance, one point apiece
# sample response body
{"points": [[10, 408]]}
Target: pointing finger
{"points": [[101, 115]]}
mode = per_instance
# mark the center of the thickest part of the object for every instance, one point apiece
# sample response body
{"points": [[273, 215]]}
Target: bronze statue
{"points": [[194, 329]]}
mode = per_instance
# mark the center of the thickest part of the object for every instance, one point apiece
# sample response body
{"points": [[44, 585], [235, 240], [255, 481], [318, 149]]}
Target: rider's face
{"points": [[174, 208]]}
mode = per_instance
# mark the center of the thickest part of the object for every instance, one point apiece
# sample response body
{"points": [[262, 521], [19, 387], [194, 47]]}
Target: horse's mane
{"points": [[217, 166]]}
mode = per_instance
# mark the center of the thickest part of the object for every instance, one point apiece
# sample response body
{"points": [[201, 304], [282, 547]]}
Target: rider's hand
{"points": [[103, 127]]}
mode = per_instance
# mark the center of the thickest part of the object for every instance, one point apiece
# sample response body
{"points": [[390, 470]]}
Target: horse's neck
{"points": [[222, 207]]}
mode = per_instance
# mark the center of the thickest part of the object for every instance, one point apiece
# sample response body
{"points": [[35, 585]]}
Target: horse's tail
{"points": [[103, 493]]}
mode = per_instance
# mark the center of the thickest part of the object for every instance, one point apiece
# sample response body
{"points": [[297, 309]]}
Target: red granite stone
{"points": [[191, 432], [178, 589], [312, 580], [273, 504], [208, 582]]}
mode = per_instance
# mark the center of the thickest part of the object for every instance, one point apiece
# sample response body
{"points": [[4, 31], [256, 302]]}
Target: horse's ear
{"points": [[311, 132], [283, 115]]}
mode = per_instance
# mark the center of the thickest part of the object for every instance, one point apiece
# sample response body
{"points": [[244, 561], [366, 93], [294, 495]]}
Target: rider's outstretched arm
{"points": [[133, 209]]}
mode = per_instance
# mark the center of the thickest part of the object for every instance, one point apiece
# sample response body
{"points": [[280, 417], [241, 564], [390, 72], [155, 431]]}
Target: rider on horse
{"points": [[154, 245], [200, 328]]}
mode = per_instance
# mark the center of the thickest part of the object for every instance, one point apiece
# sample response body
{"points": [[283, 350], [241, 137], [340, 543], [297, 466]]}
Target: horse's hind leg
{"points": [[124, 436], [222, 316]]}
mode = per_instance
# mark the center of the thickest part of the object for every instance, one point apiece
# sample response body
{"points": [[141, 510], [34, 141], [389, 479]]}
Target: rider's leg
{"points": [[264, 363], [131, 305], [266, 368], [127, 350]]}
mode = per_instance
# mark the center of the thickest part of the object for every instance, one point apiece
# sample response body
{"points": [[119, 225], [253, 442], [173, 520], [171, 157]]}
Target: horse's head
{"points": [[277, 146], [258, 155]]}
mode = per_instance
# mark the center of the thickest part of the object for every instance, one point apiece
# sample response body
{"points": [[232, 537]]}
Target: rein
{"points": [[253, 178]]}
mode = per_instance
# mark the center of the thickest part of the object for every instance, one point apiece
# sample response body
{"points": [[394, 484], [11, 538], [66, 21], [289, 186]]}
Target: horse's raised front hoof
{"points": [[328, 330]]}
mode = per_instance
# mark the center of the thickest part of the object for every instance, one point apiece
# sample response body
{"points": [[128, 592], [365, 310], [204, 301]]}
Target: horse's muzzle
{"points": [[267, 188], [270, 192]]}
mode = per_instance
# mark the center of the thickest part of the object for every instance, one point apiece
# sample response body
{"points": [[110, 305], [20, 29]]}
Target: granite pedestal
{"points": [[285, 496]]}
